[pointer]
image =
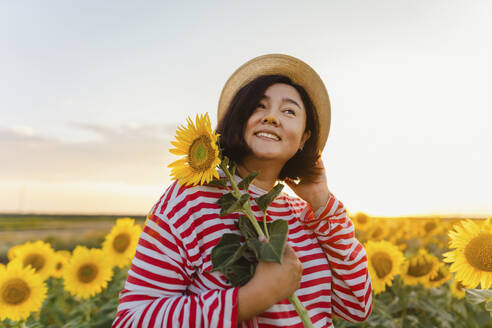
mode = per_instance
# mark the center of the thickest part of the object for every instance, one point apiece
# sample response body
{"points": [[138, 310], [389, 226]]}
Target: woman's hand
{"points": [[271, 283], [315, 192]]}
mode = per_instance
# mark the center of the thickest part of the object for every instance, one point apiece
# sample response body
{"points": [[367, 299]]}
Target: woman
{"points": [[274, 118]]}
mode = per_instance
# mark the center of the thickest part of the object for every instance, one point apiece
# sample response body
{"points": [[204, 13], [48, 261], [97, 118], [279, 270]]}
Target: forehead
{"points": [[280, 90]]}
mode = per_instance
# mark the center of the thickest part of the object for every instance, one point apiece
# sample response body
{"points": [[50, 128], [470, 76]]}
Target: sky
{"points": [[91, 93]]}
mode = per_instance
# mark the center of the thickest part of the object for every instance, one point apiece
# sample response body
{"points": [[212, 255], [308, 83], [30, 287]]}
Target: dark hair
{"points": [[231, 127]]}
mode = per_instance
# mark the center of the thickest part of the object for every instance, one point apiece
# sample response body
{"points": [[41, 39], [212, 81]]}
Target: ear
{"points": [[305, 137]]}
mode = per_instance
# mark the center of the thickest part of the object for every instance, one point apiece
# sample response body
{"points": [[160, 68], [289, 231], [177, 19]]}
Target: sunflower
{"points": [[61, 260], [361, 221], [12, 253], [38, 254], [379, 230], [472, 257], [22, 291], [199, 144], [419, 268], [384, 262], [440, 277], [121, 242], [457, 289], [87, 272]]}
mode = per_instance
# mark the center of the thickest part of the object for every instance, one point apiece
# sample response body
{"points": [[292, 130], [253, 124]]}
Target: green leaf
{"points": [[226, 201], [226, 256], [229, 204], [265, 200], [273, 250], [244, 184], [240, 272], [488, 306], [246, 228], [477, 296], [232, 168], [225, 250], [218, 183], [225, 162]]}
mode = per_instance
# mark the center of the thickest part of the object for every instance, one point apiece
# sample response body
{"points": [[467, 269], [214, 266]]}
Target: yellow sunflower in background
{"points": [[419, 268], [430, 228], [457, 289], [361, 221], [442, 275], [38, 254], [12, 252], [472, 257], [22, 291], [198, 144], [61, 260], [121, 242], [379, 230], [384, 262], [87, 272]]}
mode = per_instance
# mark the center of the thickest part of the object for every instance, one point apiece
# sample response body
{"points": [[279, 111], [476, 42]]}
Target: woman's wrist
{"points": [[252, 300]]}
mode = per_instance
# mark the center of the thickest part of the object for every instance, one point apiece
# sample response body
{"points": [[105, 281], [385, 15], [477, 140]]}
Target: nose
{"points": [[270, 119]]}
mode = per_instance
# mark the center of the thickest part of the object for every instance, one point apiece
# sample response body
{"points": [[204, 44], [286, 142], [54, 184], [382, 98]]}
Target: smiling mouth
{"points": [[268, 135]]}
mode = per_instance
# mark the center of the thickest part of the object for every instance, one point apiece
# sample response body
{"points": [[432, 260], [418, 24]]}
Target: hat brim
{"points": [[295, 69]]}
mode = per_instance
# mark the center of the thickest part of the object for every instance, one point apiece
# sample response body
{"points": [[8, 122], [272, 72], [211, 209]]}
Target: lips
{"points": [[269, 135]]}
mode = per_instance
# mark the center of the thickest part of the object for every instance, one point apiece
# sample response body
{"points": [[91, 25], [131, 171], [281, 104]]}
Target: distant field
{"points": [[62, 231]]}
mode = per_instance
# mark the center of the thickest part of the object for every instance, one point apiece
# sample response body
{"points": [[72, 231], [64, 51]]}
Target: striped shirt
{"points": [[169, 282]]}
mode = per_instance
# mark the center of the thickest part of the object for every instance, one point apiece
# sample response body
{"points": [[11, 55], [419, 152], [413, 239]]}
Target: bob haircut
{"points": [[231, 128]]}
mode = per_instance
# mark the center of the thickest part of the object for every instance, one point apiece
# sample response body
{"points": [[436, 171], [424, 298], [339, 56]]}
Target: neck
{"points": [[268, 172]]}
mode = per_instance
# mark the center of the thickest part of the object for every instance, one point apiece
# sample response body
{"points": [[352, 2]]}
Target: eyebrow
{"points": [[289, 100]]}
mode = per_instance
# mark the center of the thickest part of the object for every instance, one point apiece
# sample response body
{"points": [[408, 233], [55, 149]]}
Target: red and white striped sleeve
{"points": [[351, 283], [155, 292]]}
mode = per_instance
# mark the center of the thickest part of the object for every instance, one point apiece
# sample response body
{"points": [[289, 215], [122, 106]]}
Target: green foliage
{"points": [[229, 204], [237, 260], [60, 309], [418, 307], [244, 183], [265, 200]]}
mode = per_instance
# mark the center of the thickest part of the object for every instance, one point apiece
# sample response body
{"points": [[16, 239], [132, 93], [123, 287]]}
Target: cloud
{"points": [[134, 154]]}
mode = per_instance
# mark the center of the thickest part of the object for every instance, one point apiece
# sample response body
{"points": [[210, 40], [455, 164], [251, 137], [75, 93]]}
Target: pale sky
{"points": [[91, 93]]}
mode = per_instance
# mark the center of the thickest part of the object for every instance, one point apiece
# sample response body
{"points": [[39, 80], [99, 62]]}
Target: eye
{"points": [[290, 112]]}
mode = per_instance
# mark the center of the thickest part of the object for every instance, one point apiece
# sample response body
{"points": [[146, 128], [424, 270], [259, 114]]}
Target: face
{"points": [[275, 129]]}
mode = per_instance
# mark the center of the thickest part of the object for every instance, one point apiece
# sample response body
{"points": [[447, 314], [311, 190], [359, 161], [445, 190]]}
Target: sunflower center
{"points": [[121, 242], [459, 286], [35, 260], [478, 252], [419, 268], [439, 276], [59, 265], [377, 232], [201, 154], [430, 226], [362, 219], [382, 263], [15, 291], [87, 272]]}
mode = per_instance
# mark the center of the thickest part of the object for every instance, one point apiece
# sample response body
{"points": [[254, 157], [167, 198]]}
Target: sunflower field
{"points": [[426, 272]]}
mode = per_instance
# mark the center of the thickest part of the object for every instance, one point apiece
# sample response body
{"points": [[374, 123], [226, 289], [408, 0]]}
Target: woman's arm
{"points": [[351, 285], [155, 290]]}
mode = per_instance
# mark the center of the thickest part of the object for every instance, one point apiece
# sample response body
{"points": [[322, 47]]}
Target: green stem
{"points": [[246, 209], [301, 311], [88, 311], [404, 311], [265, 226]]}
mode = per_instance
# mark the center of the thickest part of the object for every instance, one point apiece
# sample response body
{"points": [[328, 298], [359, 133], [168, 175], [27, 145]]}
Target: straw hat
{"points": [[298, 71]]}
